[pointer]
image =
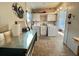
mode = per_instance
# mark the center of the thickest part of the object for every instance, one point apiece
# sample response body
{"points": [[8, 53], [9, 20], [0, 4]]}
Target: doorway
{"points": [[61, 21]]}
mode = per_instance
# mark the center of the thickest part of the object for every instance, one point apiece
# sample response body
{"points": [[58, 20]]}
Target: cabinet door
{"points": [[52, 31], [51, 17], [74, 47]]}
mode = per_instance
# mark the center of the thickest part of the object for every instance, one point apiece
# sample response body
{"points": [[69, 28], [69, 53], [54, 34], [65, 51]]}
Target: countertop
{"points": [[76, 40], [22, 41]]}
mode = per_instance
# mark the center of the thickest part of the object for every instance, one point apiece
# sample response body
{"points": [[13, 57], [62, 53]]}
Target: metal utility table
{"points": [[19, 46]]}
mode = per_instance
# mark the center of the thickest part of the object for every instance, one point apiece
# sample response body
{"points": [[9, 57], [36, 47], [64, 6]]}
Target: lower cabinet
{"points": [[46, 30], [72, 45], [52, 31], [74, 48]]}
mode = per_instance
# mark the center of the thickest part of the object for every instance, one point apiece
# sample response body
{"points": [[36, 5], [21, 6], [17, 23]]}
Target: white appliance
{"points": [[43, 30], [52, 30]]}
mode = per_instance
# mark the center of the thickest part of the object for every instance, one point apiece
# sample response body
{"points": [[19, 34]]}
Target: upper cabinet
{"points": [[51, 17], [44, 17], [36, 17]]}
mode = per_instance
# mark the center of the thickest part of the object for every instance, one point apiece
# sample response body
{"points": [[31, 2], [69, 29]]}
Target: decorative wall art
{"points": [[18, 10]]}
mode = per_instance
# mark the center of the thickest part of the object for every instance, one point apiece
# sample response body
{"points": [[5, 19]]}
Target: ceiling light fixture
{"points": [[60, 8], [57, 9]]}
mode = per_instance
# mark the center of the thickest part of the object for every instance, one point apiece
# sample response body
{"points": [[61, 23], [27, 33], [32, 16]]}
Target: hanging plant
{"points": [[20, 12], [18, 9]]}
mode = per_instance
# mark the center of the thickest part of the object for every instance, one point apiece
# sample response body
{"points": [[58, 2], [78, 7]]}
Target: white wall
{"points": [[7, 15], [73, 28]]}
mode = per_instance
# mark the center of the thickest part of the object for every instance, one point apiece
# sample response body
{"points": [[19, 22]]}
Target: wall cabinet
{"points": [[51, 17]]}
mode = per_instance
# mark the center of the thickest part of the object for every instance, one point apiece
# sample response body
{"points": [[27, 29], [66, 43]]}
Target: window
{"points": [[29, 16]]}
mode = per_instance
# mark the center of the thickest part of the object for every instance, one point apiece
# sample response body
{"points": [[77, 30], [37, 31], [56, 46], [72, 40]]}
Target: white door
{"points": [[66, 27]]}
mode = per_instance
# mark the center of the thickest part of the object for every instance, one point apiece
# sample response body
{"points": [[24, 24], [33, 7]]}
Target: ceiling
{"points": [[37, 5]]}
